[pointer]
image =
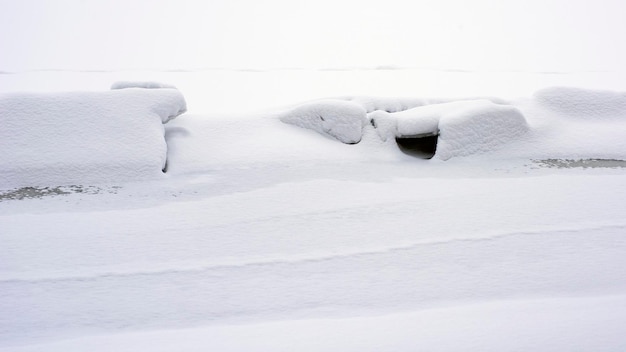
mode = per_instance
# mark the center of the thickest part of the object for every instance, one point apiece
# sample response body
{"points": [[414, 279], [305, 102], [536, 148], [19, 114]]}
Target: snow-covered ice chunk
{"points": [[583, 103], [478, 127], [140, 84], [84, 137], [342, 120], [464, 127]]}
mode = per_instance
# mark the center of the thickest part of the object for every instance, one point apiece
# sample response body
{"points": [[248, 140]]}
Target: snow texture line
{"points": [[301, 260]]}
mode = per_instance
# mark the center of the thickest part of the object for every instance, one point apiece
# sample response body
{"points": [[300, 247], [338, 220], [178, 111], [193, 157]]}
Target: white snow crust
{"points": [[85, 137], [339, 119]]}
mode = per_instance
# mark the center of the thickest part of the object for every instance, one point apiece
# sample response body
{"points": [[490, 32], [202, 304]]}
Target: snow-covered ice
{"points": [[336, 118], [264, 235], [79, 138], [478, 128], [349, 176], [463, 127]]}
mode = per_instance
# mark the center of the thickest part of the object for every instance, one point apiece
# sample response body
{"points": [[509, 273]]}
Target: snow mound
{"points": [[464, 127], [583, 103], [342, 120], [140, 84], [84, 137]]}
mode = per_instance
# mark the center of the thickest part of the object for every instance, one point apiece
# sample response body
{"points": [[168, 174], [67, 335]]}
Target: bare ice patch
{"points": [[40, 192], [581, 163]]}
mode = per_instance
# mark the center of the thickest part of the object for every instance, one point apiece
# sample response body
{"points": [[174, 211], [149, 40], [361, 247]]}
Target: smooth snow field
{"points": [[290, 217]]}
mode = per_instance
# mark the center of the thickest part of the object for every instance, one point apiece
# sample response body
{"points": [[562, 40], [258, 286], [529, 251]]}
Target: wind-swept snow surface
{"points": [[226, 249], [265, 236], [86, 137]]}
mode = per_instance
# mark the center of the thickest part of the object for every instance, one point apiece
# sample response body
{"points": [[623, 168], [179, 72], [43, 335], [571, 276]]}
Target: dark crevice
{"points": [[423, 147], [171, 132]]}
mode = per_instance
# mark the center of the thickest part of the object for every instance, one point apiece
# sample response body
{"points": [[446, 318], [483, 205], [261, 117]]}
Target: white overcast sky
{"points": [[185, 34]]}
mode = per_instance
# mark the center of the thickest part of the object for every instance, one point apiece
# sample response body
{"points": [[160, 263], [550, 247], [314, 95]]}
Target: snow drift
{"points": [[84, 137], [583, 103]]}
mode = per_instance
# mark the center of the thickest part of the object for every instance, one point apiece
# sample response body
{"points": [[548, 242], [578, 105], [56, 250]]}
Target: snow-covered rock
{"points": [[583, 103], [342, 120], [464, 127], [84, 137]]}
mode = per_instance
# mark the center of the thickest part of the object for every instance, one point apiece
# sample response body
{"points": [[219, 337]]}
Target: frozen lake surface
{"points": [[263, 235]]}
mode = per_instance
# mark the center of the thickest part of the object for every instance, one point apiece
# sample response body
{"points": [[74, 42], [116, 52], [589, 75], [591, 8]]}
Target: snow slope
{"points": [[267, 236]]}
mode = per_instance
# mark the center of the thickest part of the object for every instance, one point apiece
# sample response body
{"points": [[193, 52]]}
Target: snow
{"points": [[538, 325], [388, 104], [264, 235], [84, 137], [297, 249], [336, 118], [398, 104], [312, 235], [583, 103], [464, 127], [140, 84], [478, 127]]}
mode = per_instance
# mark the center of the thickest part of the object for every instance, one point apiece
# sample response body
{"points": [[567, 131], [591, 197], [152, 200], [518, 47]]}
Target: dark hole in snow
{"points": [[423, 147]]}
